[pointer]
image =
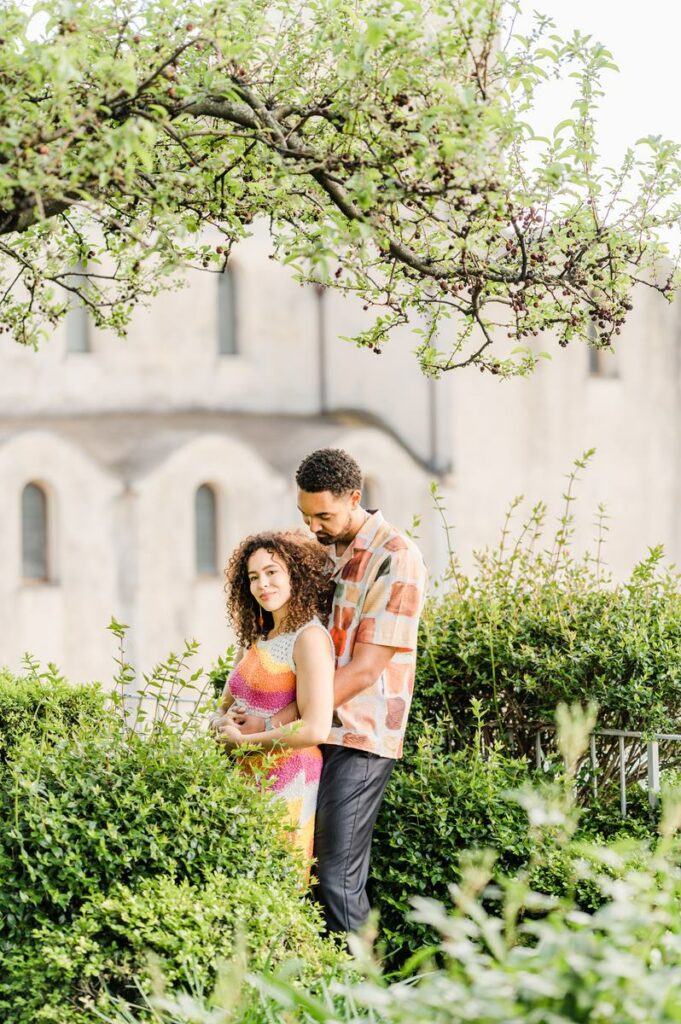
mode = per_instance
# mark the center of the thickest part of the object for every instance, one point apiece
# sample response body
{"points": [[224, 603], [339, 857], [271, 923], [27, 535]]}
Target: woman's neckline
{"points": [[287, 632], [269, 639]]}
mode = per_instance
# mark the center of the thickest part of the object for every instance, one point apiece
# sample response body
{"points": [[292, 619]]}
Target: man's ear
{"points": [[355, 498]]}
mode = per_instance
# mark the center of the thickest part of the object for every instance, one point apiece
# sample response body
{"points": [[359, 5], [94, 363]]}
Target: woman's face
{"points": [[269, 580]]}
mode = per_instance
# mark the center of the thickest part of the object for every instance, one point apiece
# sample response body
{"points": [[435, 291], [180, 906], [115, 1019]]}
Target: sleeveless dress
{"points": [[264, 681]]}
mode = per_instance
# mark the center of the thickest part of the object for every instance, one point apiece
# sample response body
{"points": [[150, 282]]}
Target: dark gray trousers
{"points": [[350, 794]]}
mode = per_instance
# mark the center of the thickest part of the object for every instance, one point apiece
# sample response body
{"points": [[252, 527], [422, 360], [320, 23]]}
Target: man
{"points": [[380, 585]]}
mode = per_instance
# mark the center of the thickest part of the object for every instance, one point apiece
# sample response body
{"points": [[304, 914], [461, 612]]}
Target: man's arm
{"points": [[362, 671], [398, 589], [314, 687]]}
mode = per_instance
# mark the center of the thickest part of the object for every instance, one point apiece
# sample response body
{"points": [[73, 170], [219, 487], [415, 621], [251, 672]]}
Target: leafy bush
{"points": [[536, 626], [184, 929], [532, 628], [622, 963], [114, 843], [505, 953], [441, 802], [437, 804], [219, 672], [42, 701]]}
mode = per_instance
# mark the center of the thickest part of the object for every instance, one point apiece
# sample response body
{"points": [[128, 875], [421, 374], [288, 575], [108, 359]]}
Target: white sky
{"points": [[644, 37]]}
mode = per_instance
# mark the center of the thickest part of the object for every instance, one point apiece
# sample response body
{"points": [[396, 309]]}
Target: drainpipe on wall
{"points": [[439, 460], [322, 367], [676, 467], [126, 541]]}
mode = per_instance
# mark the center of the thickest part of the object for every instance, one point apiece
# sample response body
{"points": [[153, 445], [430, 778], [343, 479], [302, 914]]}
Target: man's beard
{"points": [[344, 536]]}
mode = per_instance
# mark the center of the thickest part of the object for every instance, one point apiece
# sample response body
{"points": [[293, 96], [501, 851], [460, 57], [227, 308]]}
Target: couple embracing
{"points": [[331, 702]]}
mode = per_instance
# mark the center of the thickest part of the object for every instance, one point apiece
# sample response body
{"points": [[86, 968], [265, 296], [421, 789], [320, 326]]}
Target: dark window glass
{"points": [[34, 533], [602, 361], [205, 531]]}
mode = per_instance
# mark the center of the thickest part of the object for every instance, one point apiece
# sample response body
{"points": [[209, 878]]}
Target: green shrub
{"points": [[501, 965], [185, 929], [41, 701], [114, 843], [440, 803], [505, 954], [437, 804], [535, 626]]}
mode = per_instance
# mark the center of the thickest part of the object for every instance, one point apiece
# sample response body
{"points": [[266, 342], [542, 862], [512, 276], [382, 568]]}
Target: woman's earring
{"points": [[261, 620]]}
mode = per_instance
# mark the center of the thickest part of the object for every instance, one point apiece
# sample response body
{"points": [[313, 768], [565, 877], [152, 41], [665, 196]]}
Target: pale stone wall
{"points": [[170, 602], [521, 437], [122, 538], [169, 359], [63, 620], [123, 519]]}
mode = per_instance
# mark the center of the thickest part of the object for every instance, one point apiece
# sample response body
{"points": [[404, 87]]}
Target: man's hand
{"points": [[215, 721], [237, 718], [228, 736]]}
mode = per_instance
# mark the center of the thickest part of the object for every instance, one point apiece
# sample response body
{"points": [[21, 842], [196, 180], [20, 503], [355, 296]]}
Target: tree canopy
{"points": [[386, 142]]}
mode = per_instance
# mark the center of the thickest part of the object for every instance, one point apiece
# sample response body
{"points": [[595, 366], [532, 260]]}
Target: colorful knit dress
{"points": [[264, 682]]}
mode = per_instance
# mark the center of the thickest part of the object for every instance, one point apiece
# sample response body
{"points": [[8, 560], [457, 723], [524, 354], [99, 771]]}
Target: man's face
{"points": [[329, 517]]}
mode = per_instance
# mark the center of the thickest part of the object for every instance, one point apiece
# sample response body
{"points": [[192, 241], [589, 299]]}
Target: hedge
{"points": [[115, 844]]}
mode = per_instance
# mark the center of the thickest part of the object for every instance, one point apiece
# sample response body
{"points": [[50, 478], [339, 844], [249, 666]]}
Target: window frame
{"points": [[200, 570], [47, 575]]}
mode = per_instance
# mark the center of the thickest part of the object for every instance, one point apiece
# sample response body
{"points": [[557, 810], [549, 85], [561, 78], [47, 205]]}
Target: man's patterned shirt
{"points": [[380, 588]]}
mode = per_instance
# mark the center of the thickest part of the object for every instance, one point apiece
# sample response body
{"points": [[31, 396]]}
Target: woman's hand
{"points": [[245, 723]]}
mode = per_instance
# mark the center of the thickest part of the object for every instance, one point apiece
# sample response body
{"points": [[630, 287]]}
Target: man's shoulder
{"points": [[398, 556], [390, 539]]}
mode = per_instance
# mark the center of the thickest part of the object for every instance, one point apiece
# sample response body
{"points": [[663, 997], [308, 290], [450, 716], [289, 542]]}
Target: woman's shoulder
{"points": [[313, 625], [311, 634]]}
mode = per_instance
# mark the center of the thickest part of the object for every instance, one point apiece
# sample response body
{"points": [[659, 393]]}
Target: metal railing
{"points": [[160, 707], [648, 758], [642, 763]]}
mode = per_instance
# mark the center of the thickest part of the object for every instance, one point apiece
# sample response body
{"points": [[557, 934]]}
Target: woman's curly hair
{"points": [[309, 568]]}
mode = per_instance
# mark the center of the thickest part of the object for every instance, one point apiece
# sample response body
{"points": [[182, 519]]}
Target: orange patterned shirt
{"points": [[380, 588]]}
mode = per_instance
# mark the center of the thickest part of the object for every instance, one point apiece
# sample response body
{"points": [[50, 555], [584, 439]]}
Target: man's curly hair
{"points": [[329, 469], [309, 568]]}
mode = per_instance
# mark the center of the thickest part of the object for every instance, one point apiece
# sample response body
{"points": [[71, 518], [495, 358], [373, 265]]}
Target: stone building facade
{"points": [[130, 468]]}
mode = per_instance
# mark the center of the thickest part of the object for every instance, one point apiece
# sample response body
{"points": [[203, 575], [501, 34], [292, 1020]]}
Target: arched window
{"points": [[228, 340], [34, 552], [369, 499], [205, 531]]}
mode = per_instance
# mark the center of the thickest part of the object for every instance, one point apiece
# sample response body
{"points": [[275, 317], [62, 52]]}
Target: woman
{"points": [[277, 589]]}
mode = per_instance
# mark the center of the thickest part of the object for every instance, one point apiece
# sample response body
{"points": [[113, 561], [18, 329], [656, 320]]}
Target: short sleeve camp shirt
{"points": [[380, 588]]}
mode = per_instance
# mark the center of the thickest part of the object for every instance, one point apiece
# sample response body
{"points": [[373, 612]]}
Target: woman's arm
{"points": [[314, 697]]}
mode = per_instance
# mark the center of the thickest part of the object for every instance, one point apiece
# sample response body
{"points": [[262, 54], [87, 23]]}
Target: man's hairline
{"points": [[327, 490]]}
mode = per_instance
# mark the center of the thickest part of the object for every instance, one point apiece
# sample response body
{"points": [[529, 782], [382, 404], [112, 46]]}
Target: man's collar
{"points": [[362, 540]]}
